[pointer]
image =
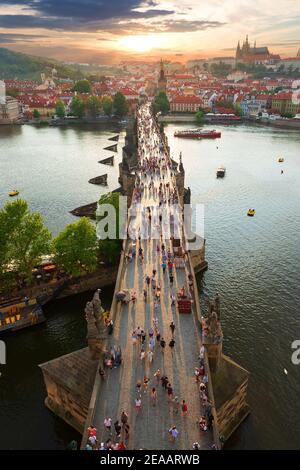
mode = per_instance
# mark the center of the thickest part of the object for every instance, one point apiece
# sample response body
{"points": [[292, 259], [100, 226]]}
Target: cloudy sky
{"points": [[108, 31]]}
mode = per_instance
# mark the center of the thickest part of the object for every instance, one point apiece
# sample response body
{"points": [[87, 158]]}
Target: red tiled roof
{"points": [[187, 99]]}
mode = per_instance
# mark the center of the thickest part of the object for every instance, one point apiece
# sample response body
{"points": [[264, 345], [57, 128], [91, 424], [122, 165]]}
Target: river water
{"points": [[254, 264]]}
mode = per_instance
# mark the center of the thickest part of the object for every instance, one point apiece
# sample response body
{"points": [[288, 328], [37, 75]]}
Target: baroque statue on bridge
{"points": [[96, 329]]}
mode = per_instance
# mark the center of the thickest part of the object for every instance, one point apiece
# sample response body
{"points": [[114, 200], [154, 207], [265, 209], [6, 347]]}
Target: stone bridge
{"points": [[82, 398]]}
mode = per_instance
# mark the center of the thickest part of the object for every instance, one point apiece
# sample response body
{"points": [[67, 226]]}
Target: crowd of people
{"points": [[155, 220]]}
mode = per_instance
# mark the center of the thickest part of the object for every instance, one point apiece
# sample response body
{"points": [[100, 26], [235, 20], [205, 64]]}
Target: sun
{"points": [[139, 43]]}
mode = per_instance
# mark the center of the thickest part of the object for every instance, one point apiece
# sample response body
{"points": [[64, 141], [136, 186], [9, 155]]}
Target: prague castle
{"points": [[255, 55]]}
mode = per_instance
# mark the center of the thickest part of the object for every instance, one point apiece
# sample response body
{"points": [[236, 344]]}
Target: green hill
{"points": [[28, 67]]}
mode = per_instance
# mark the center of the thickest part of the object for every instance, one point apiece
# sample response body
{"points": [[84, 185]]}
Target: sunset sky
{"points": [[109, 31]]}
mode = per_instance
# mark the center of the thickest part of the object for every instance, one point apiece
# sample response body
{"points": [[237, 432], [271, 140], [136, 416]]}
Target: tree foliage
{"points": [[200, 116], [82, 86], [76, 248], [161, 103], [24, 239], [77, 107], [36, 114], [107, 105], [60, 109], [120, 105], [93, 106]]}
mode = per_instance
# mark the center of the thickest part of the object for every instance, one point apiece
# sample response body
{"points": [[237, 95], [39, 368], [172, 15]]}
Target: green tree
{"points": [[93, 106], [26, 238], [120, 105], [161, 103], [36, 114], [60, 109], [76, 248], [77, 107], [200, 116], [238, 110], [82, 86], [107, 105]]}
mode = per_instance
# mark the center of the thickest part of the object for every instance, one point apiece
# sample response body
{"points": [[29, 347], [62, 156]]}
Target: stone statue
{"points": [[181, 169], [214, 330], [96, 328], [98, 314]]}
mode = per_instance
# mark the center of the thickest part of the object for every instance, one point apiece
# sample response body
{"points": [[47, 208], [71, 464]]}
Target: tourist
{"points": [[138, 387], [101, 373], [202, 424], [197, 374], [158, 336], [118, 429], [151, 332], [121, 446], [146, 382], [138, 333], [170, 391], [152, 343], [92, 431], [184, 408], [157, 375], [172, 344], [162, 344], [172, 327], [148, 280], [173, 431], [143, 354], [109, 444], [153, 396], [164, 381], [107, 424], [171, 278], [143, 337], [196, 446], [150, 356], [138, 404], [124, 418], [134, 338]]}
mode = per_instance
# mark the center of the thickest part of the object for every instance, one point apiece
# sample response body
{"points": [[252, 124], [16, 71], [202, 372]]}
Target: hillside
{"points": [[23, 66]]}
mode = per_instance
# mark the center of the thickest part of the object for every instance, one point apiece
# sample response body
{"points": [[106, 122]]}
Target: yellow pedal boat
{"points": [[251, 212], [13, 193]]}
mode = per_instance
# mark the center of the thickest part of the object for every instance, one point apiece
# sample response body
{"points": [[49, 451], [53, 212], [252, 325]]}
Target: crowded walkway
{"points": [[157, 398]]}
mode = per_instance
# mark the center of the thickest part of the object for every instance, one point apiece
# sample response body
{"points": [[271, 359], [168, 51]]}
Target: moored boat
{"points": [[198, 134]]}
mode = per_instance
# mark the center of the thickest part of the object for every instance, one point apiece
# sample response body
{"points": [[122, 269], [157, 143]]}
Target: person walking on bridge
{"points": [[124, 418]]}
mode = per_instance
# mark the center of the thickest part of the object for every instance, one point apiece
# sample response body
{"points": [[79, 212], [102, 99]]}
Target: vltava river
{"points": [[254, 263]]}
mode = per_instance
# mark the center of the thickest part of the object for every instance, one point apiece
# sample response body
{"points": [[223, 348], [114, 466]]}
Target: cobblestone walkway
{"points": [[149, 427]]}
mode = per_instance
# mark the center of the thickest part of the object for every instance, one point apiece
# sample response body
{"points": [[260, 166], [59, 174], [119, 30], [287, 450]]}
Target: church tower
{"points": [[238, 51], [162, 81]]}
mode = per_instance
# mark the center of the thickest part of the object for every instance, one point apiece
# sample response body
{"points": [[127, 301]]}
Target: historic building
{"points": [[185, 104], [9, 107], [254, 55], [162, 80]]}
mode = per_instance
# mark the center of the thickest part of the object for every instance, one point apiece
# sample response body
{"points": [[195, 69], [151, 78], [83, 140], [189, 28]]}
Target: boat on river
{"points": [[221, 172], [13, 193], [198, 134]]}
